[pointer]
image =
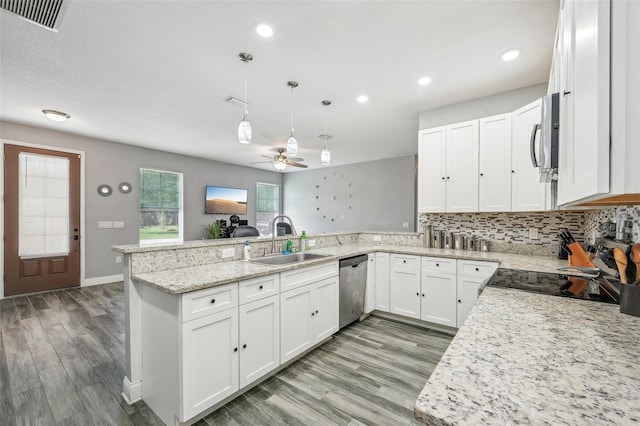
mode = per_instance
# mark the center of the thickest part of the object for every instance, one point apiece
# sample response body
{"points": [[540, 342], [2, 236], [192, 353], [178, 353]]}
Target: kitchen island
{"points": [[524, 358]]}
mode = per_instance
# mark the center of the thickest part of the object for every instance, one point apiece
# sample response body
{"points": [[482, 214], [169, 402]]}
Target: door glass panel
{"points": [[43, 205]]}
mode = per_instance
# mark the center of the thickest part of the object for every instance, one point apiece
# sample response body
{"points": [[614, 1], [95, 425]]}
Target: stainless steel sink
{"points": [[288, 258]]}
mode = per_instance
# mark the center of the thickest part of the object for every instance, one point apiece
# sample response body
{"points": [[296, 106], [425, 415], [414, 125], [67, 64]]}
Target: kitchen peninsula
{"points": [[176, 271]]}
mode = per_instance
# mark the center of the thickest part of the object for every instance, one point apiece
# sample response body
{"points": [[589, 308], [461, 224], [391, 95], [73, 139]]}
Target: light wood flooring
{"points": [[62, 363]]}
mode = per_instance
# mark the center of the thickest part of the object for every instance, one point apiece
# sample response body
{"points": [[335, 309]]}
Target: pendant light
{"points": [[325, 156], [292, 143], [244, 129]]}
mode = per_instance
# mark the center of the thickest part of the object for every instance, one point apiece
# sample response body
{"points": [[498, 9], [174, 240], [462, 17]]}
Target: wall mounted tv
{"points": [[220, 200]]}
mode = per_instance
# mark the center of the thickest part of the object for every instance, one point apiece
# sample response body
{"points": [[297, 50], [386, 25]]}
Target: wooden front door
{"points": [[42, 220]]}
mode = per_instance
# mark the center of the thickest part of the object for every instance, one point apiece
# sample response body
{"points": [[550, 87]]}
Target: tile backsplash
{"points": [[594, 218], [508, 232]]}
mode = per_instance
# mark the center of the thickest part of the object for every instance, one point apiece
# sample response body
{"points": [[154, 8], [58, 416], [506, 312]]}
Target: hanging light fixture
{"points": [[244, 129], [292, 143], [279, 165], [325, 156]]}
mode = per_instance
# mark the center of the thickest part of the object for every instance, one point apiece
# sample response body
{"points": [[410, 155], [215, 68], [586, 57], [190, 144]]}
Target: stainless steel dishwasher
{"points": [[353, 282]]}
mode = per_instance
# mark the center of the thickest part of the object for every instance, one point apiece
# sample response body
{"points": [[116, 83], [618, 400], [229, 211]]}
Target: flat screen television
{"points": [[220, 200]]}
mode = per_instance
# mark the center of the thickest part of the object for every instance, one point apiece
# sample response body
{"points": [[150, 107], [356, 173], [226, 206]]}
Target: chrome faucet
{"points": [[274, 232]]}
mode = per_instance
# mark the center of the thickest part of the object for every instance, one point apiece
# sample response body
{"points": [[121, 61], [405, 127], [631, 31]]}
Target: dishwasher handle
{"points": [[353, 261]]}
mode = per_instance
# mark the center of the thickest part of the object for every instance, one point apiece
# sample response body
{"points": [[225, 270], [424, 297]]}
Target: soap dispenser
{"points": [[303, 241]]}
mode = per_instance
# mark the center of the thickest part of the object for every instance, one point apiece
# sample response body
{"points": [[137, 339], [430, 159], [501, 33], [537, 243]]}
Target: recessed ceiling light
{"points": [[264, 30], [56, 115], [423, 81], [510, 55], [362, 99]]}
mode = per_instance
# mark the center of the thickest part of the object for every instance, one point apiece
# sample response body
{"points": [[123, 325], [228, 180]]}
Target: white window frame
{"points": [[165, 241], [278, 210]]}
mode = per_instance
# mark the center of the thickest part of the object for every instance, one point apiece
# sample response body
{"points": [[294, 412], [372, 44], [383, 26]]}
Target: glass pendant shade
{"points": [[244, 131], [325, 157], [279, 165], [292, 146]]}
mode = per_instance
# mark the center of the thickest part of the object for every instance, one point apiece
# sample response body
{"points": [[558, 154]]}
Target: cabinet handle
{"points": [[316, 312], [417, 294], [260, 288], [437, 265], [566, 93], [404, 261], [481, 174], [422, 294], [213, 301], [235, 349], [459, 301], [513, 171], [442, 177], [477, 269], [244, 346], [448, 178], [313, 313]]}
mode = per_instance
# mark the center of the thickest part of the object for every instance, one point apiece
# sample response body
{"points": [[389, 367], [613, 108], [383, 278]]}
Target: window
{"points": [[267, 206], [160, 207]]}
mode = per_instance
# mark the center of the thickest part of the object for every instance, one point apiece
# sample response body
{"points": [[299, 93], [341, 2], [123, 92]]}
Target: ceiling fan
{"points": [[280, 161]]}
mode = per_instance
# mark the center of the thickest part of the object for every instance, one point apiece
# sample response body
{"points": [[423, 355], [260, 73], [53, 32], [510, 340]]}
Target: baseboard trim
{"points": [[131, 392], [102, 280]]}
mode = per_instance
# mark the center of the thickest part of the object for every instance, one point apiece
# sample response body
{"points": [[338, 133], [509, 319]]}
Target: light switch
{"points": [[118, 224], [105, 225], [118, 259], [312, 243], [229, 252], [405, 224], [377, 238]]}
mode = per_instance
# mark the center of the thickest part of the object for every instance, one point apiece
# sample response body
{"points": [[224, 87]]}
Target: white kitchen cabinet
{"points": [[210, 361], [462, 167], [439, 292], [527, 193], [494, 181], [467, 290], [432, 164], [370, 292], [382, 282], [583, 169], [308, 315], [404, 286], [259, 338]]}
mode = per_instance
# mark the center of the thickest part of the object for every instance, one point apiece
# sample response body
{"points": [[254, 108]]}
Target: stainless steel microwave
{"points": [[545, 154]]}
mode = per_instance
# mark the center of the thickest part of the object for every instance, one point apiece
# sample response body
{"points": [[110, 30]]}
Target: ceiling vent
{"points": [[41, 12], [235, 101]]}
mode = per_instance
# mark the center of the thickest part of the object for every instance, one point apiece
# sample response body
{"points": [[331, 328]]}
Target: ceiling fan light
{"points": [[244, 132], [55, 115], [280, 166], [292, 146], [325, 157]]}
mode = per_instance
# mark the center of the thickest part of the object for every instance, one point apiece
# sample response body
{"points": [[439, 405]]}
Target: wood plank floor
{"points": [[62, 363]]}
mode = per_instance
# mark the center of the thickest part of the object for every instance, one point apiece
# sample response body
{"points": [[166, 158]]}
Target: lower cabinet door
{"points": [[296, 321], [209, 361], [259, 339], [404, 293], [467, 296], [439, 298], [370, 292], [326, 315], [381, 281]]}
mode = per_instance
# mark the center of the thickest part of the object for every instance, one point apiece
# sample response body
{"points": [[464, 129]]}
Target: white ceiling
{"points": [[156, 73]]}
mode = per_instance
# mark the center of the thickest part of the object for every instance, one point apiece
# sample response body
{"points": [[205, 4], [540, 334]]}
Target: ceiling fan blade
{"points": [[268, 156], [260, 162], [295, 159], [291, 163]]}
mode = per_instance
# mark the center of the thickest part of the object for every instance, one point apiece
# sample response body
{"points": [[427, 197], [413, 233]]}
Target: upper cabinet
{"points": [[432, 170], [599, 64], [494, 181], [462, 167], [527, 193]]}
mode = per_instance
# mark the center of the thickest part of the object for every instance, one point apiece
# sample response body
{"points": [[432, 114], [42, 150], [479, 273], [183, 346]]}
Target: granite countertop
{"points": [[183, 280], [524, 358]]}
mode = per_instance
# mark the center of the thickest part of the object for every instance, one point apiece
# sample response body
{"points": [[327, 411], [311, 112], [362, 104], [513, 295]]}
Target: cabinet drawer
{"points": [[439, 264], [470, 268], [205, 302], [258, 288], [405, 261], [299, 277]]}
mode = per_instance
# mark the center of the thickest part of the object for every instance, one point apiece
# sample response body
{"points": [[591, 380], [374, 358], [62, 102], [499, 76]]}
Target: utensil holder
{"points": [[630, 300]]}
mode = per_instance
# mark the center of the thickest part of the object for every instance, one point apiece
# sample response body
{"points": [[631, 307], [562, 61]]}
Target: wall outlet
{"points": [[377, 238], [405, 224], [105, 225], [533, 234], [118, 259], [229, 252], [312, 243], [118, 225]]}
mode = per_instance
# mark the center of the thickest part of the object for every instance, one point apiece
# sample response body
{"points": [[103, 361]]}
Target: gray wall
{"points": [[373, 196], [112, 163], [487, 106]]}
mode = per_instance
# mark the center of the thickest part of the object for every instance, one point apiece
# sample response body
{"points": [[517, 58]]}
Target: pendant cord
{"points": [[245, 90], [292, 111], [326, 135]]}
